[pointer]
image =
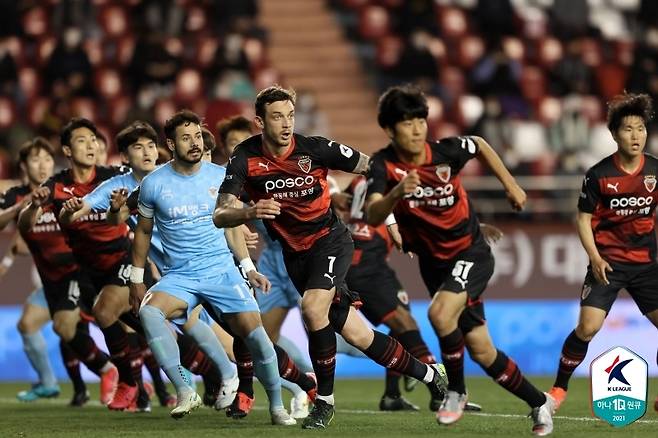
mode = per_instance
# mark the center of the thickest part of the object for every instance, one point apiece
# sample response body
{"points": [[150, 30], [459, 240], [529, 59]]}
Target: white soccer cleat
{"points": [[227, 393], [542, 417], [299, 406], [185, 404], [280, 417], [452, 408]]}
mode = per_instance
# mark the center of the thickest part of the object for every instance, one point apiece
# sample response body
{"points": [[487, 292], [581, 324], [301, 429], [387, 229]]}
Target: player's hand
{"points": [[394, 232], [599, 269], [118, 199], [341, 200], [73, 204], [259, 281], [491, 234], [250, 238], [40, 196], [266, 209], [137, 292], [516, 197], [407, 185]]}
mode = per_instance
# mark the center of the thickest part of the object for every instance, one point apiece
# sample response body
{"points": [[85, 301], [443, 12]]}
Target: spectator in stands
{"points": [[643, 76], [166, 16], [76, 13], [417, 64], [570, 18], [570, 135], [152, 63], [570, 74], [495, 19], [416, 14], [68, 71], [8, 73]]}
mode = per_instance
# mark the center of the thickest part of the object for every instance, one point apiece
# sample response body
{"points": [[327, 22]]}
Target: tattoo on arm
{"points": [[363, 165], [226, 200]]}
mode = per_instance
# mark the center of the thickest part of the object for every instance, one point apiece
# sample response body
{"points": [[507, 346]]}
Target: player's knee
{"points": [[484, 354], [586, 330], [401, 321], [441, 319], [24, 326], [361, 339], [64, 329], [315, 317], [104, 315]]}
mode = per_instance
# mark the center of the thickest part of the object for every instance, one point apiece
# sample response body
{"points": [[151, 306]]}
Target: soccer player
{"points": [[616, 225], [177, 198], [109, 267], [59, 275], [285, 175], [419, 182]]}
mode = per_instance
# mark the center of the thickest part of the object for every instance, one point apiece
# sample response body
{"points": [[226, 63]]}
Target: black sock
{"points": [[573, 353], [117, 342], [86, 349], [72, 365], [413, 342], [505, 372], [245, 364], [452, 355], [322, 349], [389, 353], [288, 370]]}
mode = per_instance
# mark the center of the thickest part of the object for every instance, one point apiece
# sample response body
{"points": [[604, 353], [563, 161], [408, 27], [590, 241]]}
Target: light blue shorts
{"points": [[283, 293], [225, 292], [37, 298]]}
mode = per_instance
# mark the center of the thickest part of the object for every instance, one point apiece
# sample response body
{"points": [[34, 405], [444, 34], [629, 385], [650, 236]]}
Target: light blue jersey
{"points": [[99, 200]]}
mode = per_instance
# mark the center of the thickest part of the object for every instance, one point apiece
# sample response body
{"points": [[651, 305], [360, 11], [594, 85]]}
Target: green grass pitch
{"points": [[357, 416]]}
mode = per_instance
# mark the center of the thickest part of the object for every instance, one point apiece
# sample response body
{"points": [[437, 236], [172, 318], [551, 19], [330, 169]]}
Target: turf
{"points": [[357, 415]]}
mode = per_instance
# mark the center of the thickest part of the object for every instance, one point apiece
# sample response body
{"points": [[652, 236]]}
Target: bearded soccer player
{"points": [[419, 182], [616, 224], [285, 175]]}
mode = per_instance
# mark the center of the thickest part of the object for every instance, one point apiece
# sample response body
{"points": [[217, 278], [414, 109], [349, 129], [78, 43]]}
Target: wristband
{"points": [[136, 275], [7, 262], [247, 265], [390, 220]]}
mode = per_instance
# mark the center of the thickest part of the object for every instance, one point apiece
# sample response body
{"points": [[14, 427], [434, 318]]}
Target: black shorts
{"points": [[470, 271], [381, 292], [69, 293], [117, 275], [640, 281]]}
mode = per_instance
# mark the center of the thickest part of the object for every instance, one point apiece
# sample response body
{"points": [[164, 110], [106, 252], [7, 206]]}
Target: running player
{"points": [[199, 267], [616, 224], [285, 175], [419, 182]]}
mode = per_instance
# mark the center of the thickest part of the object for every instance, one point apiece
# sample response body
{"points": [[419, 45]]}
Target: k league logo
{"points": [[619, 386]]}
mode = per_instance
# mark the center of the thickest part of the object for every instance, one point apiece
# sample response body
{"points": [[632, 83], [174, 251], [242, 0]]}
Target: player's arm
{"points": [[139, 253], [488, 156], [229, 212], [362, 165], [10, 213], [10, 255], [73, 209], [586, 235], [118, 212], [238, 246], [28, 217], [379, 207]]}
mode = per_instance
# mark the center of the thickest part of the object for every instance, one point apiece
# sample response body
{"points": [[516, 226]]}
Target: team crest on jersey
{"points": [[443, 172], [213, 191], [304, 163], [650, 182]]}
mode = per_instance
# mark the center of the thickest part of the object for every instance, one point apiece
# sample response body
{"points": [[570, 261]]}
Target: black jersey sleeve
{"points": [[459, 150], [236, 173], [9, 198], [377, 175], [335, 155], [590, 193]]}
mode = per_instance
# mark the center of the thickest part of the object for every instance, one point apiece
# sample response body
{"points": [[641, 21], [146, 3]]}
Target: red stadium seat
{"points": [[624, 52], [219, 109], [611, 78], [113, 20], [36, 22], [591, 52], [7, 112], [389, 49], [374, 22], [532, 83], [84, 107], [453, 22], [117, 109], [107, 82], [446, 129], [355, 5], [453, 81], [29, 81], [470, 50]]}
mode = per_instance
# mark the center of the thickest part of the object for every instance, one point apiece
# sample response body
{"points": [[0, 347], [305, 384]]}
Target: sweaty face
{"points": [[39, 166], [410, 135], [279, 122], [189, 143], [631, 137], [142, 155], [83, 147], [234, 138]]}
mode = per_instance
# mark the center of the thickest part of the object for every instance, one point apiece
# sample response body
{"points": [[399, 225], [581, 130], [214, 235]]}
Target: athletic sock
{"points": [[322, 349], [265, 365], [36, 350], [505, 372], [452, 355], [573, 353]]}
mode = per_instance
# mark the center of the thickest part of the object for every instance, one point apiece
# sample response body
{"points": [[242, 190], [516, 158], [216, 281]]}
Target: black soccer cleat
{"points": [[79, 399], [398, 403], [320, 417]]}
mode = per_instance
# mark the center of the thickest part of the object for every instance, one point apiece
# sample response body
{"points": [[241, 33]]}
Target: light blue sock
{"points": [[266, 366], [208, 342], [295, 354], [292, 387], [163, 345], [344, 347], [36, 350]]}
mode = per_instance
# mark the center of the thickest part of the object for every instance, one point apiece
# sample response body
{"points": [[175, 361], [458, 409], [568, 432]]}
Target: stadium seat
{"points": [[374, 22], [117, 109], [84, 107], [532, 83], [389, 49], [452, 21], [113, 19], [29, 80], [611, 79], [107, 82], [219, 109], [469, 110], [7, 112], [188, 86], [36, 109], [470, 50]]}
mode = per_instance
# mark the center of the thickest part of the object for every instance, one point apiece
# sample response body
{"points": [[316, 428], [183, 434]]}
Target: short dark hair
{"points": [[402, 102], [37, 144], [133, 132], [628, 104], [73, 124], [181, 117], [209, 143], [275, 93], [235, 123]]}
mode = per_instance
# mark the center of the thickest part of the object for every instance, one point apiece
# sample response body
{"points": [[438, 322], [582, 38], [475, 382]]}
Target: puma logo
{"points": [[68, 190], [613, 187], [265, 165], [462, 282], [330, 277]]}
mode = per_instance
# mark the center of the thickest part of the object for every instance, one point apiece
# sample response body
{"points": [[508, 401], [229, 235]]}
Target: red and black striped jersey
{"points": [[623, 207], [372, 245], [297, 179], [52, 255], [438, 219], [95, 243]]}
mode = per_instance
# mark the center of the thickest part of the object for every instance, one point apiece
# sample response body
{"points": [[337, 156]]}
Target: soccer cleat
{"points": [[227, 393], [410, 384], [142, 403], [452, 408], [211, 389], [440, 381], [241, 406], [124, 397], [281, 418], [312, 393], [187, 402], [109, 384], [79, 399], [38, 391], [398, 403], [299, 405], [320, 417], [542, 417], [472, 407], [559, 396], [435, 404]]}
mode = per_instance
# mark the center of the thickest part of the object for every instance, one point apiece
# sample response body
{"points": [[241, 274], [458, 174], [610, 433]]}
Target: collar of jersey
{"points": [[615, 159], [284, 157], [428, 156]]}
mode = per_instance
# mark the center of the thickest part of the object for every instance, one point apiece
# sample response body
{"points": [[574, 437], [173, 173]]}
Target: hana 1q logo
{"points": [[619, 386]]}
